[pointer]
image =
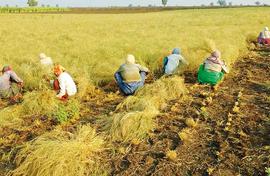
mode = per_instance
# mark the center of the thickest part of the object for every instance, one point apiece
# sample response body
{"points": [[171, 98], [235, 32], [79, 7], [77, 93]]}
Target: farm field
{"points": [[172, 126], [32, 10]]}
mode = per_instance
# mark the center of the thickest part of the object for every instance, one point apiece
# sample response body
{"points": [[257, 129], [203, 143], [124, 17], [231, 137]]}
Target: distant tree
{"points": [[202, 5], [211, 4], [149, 5], [42, 5], [130, 5], [32, 3], [222, 2], [7, 5], [164, 2], [48, 5], [258, 3], [230, 4], [57, 5]]}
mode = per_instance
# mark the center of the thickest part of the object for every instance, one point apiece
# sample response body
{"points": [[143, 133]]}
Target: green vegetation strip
{"points": [[32, 9]]}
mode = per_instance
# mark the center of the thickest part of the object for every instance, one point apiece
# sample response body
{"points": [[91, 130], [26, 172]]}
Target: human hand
{"points": [[20, 84]]}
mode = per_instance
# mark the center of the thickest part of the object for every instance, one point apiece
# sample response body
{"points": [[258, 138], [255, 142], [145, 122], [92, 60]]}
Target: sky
{"points": [[106, 3]]}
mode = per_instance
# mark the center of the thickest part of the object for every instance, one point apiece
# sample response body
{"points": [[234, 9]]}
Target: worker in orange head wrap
{"points": [[64, 84]]}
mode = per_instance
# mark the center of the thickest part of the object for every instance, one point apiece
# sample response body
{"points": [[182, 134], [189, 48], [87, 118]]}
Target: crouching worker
{"points": [[171, 62], [264, 37], [212, 70], [10, 85], [44, 60], [130, 76], [64, 84]]}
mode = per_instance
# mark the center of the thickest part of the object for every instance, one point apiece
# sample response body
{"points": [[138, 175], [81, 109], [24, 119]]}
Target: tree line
{"points": [[219, 2], [34, 3]]}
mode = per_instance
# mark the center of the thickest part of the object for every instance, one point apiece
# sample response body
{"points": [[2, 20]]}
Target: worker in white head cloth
{"points": [[130, 76], [45, 60], [264, 37]]}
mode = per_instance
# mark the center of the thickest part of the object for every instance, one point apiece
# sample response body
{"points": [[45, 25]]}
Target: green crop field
{"points": [[32, 9], [91, 47]]}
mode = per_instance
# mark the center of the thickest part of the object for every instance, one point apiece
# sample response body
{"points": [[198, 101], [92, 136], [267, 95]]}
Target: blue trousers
{"points": [[129, 88]]}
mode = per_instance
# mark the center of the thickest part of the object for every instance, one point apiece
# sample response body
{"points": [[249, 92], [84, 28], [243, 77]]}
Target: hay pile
{"points": [[39, 103], [134, 117], [61, 153], [126, 126], [155, 95]]}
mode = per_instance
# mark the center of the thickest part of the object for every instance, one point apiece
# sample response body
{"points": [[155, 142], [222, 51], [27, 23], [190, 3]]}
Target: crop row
{"points": [[32, 9]]}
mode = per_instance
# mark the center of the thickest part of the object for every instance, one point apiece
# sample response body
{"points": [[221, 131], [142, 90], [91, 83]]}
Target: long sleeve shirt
{"points": [[7, 78], [173, 62], [131, 72], [66, 84]]}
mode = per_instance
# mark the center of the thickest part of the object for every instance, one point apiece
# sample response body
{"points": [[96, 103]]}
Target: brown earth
{"points": [[232, 135], [229, 132]]}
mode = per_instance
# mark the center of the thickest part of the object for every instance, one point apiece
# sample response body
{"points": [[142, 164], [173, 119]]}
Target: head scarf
{"points": [[6, 68], [266, 33], [130, 59], [176, 51], [215, 57], [58, 69], [216, 54], [42, 56]]}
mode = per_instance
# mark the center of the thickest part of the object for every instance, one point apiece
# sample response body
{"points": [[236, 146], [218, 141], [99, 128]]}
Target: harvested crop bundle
{"points": [[135, 117], [131, 125], [61, 153], [155, 94]]}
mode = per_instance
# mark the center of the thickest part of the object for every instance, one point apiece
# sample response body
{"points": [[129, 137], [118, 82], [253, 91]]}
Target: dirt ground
{"points": [[232, 132], [221, 131]]}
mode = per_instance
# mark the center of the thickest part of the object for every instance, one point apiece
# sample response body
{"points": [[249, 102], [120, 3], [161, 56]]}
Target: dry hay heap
{"points": [[134, 118], [40, 103], [61, 153]]}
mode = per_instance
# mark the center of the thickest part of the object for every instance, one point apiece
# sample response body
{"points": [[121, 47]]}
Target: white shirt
{"points": [[47, 61], [67, 85]]}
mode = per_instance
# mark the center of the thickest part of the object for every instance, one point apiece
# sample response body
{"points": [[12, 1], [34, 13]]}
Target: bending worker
{"points": [[212, 70], [64, 84], [130, 76], [44, 60], [171, 62], [264, 37], [10, 84]]}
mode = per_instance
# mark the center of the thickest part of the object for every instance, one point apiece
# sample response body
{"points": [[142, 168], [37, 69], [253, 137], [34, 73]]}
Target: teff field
{"points": [[43, 136]]}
